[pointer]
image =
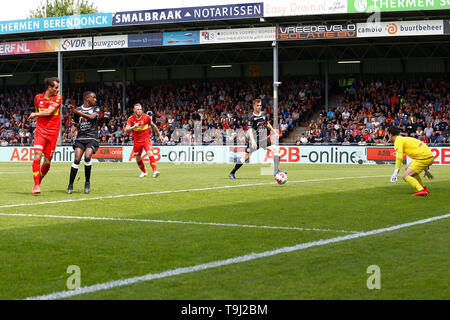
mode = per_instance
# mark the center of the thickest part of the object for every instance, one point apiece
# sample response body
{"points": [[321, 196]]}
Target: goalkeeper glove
{"points": [[394, 175], [428, 174]]}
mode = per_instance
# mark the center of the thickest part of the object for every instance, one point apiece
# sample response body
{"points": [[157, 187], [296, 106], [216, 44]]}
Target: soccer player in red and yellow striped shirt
{"points": [[139, 124], [422, 159], [48, 122]]}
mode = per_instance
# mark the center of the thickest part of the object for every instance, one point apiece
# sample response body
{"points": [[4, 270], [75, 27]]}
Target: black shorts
{"points": [[84, 144], [264, 143]]}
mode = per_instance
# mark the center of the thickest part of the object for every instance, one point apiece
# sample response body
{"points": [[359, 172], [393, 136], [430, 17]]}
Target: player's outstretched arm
{"points": [[272, 130], [84, 115], [73, 130], [398, 165], [155, 129], [428, 174], [45, 113]]}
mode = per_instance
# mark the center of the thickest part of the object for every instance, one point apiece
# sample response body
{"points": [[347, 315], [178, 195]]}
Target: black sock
{"points": [[276, 163], [236, 167], [87, 172], [73, 173]]}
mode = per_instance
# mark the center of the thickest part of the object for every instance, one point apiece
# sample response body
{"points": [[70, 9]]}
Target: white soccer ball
{"points": [[281, 178]]}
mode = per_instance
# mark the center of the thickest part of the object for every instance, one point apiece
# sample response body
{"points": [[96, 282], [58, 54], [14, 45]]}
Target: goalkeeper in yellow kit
{"points": [[422, 159]]}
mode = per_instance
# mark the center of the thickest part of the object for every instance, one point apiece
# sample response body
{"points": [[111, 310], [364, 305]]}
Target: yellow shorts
{"points": [[419, 165]]}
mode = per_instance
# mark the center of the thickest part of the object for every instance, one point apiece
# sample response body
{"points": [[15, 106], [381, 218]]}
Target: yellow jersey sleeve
{"points": [[398, 146]]}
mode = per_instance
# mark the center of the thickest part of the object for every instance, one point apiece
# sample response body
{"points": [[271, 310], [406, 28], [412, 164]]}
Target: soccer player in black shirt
{"points": [[258, 138], [87, 142]]}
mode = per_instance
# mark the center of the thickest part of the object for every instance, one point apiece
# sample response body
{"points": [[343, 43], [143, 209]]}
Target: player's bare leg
{"points": [[156, 173], [141, 166], [276, 159], [74, 169], [37, 172], [239, 164], [87, 169], [414, 180], [45, 168]]}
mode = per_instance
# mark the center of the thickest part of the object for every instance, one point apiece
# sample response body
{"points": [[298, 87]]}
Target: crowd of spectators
{"points": [[420, 108], [215, 112], [216, 109]]}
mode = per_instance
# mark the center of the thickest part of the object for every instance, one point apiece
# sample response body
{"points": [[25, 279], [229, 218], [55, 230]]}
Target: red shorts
{"points": [[137, 147], [46, 143]]}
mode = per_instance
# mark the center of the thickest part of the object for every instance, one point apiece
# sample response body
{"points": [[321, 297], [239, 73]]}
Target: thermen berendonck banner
{"points": [[330, 31], [396, 5], [74, 22], [230, 154]]}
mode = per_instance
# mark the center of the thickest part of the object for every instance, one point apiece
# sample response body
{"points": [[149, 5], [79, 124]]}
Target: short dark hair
{"points": [[50, 82], [87, 94], [393, 130], [256, 101]]}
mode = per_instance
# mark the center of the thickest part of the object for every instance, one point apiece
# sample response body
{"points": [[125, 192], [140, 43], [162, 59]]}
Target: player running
{"points": [[48, 122], [422, 159], [138, 123], [257, 138], [85, 119]]}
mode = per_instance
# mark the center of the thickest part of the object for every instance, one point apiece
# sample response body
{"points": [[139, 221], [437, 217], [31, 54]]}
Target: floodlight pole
{"points": [[276, 83], [124, 88], [326, 85], [60, 77]]}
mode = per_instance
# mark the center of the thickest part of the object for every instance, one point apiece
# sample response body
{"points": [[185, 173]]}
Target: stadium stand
{"points": [[221, 106], [421, 108]]}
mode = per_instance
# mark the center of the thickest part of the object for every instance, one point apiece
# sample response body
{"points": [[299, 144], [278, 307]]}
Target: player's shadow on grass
{"points": [[361, 208], [44, 193]]}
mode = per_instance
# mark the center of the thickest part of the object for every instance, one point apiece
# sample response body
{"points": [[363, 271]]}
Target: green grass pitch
{"points": [[188, 217]]}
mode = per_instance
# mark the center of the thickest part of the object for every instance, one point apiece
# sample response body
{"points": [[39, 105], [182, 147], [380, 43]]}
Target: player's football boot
{"points": [[232, 176], [143, 174], [87, 187], [426, 189], [421, 193], [70, 189], [156, 174], [36, 189], [279, 172]]}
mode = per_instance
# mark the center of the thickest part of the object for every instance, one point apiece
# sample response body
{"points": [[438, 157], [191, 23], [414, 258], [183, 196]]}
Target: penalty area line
{"points": [[220, 263], [183, 190]]}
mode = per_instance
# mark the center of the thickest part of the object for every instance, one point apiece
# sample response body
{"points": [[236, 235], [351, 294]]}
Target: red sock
{"points": [[36, 172], [44, 169], [153, 163], [141, 166]]}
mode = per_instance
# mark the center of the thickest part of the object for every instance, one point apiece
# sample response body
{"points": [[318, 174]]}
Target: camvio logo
{"points": [[391, 28]]}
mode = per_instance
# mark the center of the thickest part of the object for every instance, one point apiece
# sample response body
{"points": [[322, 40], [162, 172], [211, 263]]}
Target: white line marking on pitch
{"points": [[183, 190], [170, 221], [215, 264]]}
